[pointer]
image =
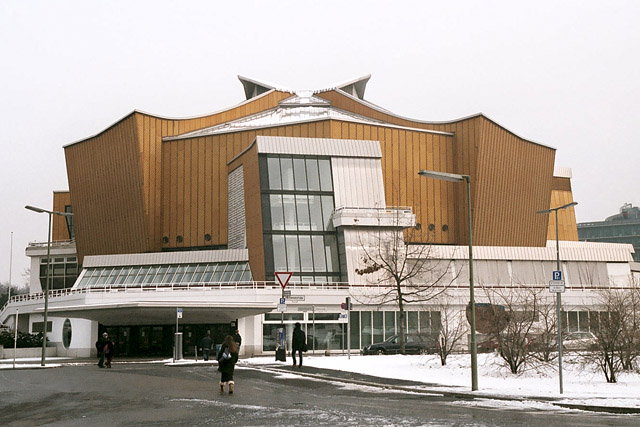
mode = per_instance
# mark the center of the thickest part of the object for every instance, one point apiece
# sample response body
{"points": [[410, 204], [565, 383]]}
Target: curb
{"points": [[454, 394]]}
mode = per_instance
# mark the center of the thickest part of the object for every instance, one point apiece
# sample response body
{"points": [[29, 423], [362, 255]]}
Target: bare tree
{"points": [[516, 311], [453, 329], [617, 344], [404, 273], [545, 341], [629, 345]]}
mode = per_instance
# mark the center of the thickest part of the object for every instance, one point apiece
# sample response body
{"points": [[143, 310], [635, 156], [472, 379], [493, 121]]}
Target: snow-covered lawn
{"points": [[581, 384]]}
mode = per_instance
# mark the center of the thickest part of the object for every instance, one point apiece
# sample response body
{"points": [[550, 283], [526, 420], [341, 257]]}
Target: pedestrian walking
{"points": [[298, 343], [108, 350], [227, 358], [206, 344], [100, 347], [238, 339]]}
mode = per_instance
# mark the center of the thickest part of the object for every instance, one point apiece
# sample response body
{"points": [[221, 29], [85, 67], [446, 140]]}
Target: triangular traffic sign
{"points": [[283, 277]]}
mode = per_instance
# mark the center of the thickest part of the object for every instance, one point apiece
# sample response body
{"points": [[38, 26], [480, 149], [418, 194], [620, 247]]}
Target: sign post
{"points": [[558, 288], [15, 336], [177, 350], [283, 278]]}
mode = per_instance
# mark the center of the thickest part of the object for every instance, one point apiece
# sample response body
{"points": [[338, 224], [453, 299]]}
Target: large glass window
{"points": [[300, 174], [277, 213], [297, 198], [63, 272], [286, 168], [275, 182], [326, 182]]}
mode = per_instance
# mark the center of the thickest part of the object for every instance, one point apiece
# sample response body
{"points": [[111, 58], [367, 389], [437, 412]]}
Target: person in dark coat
{"points": [[298, 343], [206, 344], [102, 341], [108, 350], [238, 339], [227, 358]]}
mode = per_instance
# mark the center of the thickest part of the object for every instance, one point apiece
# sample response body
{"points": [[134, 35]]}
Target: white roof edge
{"points": [[359, 83], [182, 257], [268, 86], [382, 110], [562, 172], [319, 146], [569, 251], [194, 134], [246, 101]]}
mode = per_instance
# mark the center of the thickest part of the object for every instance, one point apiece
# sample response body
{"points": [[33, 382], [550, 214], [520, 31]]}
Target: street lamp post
{"points": [[46, 287], [474, 350], [558, 294]]}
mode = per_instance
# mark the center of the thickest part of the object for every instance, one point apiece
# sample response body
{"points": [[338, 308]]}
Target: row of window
{"points": [[587, 321], [167, 274], [295, 174], [297, 212], [367, 327], [63, 272], [301, 253]]}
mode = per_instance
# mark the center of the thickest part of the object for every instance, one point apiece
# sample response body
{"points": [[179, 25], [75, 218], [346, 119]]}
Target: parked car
{"points": [[414, 344], [579, 341]]}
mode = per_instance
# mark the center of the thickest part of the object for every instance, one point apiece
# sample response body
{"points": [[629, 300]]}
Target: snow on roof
{"points": [[300, 108]]}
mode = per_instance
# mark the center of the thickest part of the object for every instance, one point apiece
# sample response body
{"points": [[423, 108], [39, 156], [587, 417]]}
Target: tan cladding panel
{"points": [[404, 153], [514, 181], [59, 229], [105, 181], [152, 129], [510, 177], [253, 209], [194, 185], [567, 225], [116, 178]]}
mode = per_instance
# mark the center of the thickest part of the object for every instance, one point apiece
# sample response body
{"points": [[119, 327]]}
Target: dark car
{"points": [[414, 344]]}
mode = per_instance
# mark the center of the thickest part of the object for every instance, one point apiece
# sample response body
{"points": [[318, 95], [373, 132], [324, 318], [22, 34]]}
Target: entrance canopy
{"points": [[154, 313]]}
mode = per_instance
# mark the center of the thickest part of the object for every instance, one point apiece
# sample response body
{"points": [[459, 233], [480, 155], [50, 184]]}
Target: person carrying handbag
{"points": [[298, 343], [227, 359]]}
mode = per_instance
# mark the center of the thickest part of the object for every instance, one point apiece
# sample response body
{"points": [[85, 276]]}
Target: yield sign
{"points": [[283, 278]]}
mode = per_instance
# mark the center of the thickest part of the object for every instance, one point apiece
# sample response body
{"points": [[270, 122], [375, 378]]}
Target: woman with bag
{"points": [[298, 343], [227, 358]]}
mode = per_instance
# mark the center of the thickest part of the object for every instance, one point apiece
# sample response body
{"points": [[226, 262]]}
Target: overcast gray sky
{"points": [[562, 73]]}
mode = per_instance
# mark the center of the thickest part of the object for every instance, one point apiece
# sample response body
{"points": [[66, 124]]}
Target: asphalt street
{"points": [[155, 394]]}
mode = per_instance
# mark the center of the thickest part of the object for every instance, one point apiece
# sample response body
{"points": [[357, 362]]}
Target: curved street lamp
{"points": [[454, 177], [46, 287], [558, 297]]}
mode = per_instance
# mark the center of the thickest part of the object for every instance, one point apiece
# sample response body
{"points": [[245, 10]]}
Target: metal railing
{"points": [[175, 287], [56, 243]]}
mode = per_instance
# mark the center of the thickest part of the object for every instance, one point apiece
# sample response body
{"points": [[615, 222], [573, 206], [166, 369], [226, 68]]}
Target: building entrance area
{"points": [[158, 340]]}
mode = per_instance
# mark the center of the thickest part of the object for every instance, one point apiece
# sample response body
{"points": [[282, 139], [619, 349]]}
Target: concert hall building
{"points": [[199, 214]]}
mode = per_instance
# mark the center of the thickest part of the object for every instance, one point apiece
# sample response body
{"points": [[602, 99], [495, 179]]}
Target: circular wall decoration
{"points": [[66, 333]]}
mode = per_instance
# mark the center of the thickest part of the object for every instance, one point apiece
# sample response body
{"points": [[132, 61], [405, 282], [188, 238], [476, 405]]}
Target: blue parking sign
{"points": [[557, 275]]}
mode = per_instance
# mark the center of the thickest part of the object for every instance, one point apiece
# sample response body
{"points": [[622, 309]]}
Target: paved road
{"points": [[152, 394]]}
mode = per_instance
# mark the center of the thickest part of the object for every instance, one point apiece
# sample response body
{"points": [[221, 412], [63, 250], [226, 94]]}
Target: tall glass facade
{"points": [[297, 204]]}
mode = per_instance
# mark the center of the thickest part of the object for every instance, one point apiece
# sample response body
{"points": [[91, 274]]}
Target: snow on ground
{"points": [[581, 384]]}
